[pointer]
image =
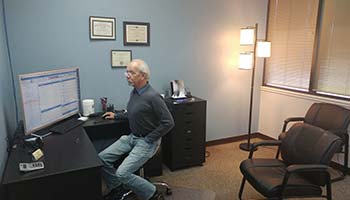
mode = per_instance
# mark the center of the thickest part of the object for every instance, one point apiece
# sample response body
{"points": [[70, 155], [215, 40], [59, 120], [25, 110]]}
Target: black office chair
{"points": [[162, 186], [306, 152], [329, 117]]}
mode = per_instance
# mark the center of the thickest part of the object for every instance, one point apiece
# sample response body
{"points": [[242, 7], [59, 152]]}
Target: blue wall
{"points": [[7, 109], [193, 40]]}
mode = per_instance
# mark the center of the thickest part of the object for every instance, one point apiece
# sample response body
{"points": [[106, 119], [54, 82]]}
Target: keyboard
{"points": [[65, 126], [96, 114]]}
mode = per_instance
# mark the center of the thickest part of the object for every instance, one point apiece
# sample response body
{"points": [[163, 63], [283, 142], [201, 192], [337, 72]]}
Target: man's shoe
{"points": [[115, 193], [157, 196]]}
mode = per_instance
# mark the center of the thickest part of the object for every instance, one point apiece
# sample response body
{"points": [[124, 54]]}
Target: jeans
{"points": [[139, 152]]}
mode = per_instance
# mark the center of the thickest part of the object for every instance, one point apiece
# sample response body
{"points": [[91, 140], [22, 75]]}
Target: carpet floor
{"points": [[220, 174]]}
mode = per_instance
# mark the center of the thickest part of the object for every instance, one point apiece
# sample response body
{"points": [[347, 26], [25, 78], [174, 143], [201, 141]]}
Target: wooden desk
{"points": [[72, 170], [72, 167]]}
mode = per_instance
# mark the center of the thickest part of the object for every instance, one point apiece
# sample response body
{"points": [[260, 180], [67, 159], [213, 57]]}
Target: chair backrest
{"points": [[329, 117], [307, 144]]}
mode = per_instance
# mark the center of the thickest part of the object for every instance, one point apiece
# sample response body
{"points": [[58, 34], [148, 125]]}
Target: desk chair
{"points": [[329, 117], [165, 187], [306, 152]]}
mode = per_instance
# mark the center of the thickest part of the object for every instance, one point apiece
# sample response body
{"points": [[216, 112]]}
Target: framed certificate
{"points": [[136, 34], [120, 58], [102, 28]]}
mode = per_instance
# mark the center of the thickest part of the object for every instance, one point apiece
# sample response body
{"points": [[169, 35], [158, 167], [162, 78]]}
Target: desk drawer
{"points": [[187, 156], [187, 109], [188, 128]]}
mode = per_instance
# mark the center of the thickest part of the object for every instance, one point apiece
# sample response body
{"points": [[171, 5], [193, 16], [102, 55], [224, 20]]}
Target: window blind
{"points": [[291, 29]]}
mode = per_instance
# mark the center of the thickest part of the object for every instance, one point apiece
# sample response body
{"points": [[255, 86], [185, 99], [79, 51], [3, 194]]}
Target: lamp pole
{"points": [[247, 145]]}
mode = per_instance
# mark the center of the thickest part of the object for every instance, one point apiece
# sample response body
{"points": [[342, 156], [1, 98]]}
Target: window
{"points": [[332, 74], [303, 60]]}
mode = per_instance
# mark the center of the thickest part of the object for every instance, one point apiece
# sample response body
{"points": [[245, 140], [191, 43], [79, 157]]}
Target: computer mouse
{"points": [[104, 116]]}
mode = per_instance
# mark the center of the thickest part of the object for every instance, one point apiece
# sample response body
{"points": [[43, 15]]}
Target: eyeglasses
{"points": [[130, 73]]}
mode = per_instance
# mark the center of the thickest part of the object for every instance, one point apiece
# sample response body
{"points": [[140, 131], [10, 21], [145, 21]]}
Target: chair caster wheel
{"points": [[168, 191]]}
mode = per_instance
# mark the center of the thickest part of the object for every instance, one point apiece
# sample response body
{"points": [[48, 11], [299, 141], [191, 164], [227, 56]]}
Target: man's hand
{"points": [[108, 115]]}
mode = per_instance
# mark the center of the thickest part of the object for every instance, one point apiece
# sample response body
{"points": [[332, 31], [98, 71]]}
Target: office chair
{"points": [[306, 152], [329, 117], [165, 186]]}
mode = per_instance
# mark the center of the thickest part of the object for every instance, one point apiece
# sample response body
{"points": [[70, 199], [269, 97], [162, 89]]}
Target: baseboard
{"points": [[238, 138], [259, 135]]}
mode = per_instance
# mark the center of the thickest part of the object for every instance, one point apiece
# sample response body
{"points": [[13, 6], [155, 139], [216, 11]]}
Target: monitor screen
{"points": [[49, 97]]}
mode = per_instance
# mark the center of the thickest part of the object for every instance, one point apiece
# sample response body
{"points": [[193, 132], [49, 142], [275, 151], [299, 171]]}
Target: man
{"points": [[149, 119]]}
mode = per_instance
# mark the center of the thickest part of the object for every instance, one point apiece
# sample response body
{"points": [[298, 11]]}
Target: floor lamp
{"points": [[247, 60]]}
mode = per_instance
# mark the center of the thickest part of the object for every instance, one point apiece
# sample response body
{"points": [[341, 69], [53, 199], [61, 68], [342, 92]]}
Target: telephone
{"points": [[178, 89]]}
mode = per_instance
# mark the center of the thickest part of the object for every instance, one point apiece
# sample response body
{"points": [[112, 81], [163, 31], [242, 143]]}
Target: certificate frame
{"points": [[102, 28], [136, 33], [120, 58]]}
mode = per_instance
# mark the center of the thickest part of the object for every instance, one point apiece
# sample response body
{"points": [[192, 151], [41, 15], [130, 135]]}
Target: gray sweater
{"points": [[148, 114]]}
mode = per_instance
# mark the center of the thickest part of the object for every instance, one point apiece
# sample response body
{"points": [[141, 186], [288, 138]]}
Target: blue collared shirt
{"points": [[142, 90]]}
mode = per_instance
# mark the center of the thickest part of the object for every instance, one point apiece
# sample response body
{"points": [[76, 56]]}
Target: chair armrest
{"points": [[304, 168], [263, 143], [307, 168], [291, 119]]}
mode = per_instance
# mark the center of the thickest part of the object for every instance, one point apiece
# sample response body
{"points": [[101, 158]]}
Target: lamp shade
{"points": [[263, 49], [246, 60], [247, 36]]}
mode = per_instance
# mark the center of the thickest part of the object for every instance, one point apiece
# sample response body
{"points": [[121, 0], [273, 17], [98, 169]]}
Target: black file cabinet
{"points": [[184, 146]]}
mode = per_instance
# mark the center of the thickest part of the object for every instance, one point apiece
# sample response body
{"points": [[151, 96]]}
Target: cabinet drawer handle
{"points": [[188, 158]]}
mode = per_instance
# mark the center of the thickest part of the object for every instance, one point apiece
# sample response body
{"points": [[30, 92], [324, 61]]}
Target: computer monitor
{"points": [[49, 97]]}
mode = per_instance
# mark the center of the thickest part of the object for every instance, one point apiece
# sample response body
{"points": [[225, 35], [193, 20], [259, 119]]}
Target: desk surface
{"points": [[97, 121], [62, 153]]}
